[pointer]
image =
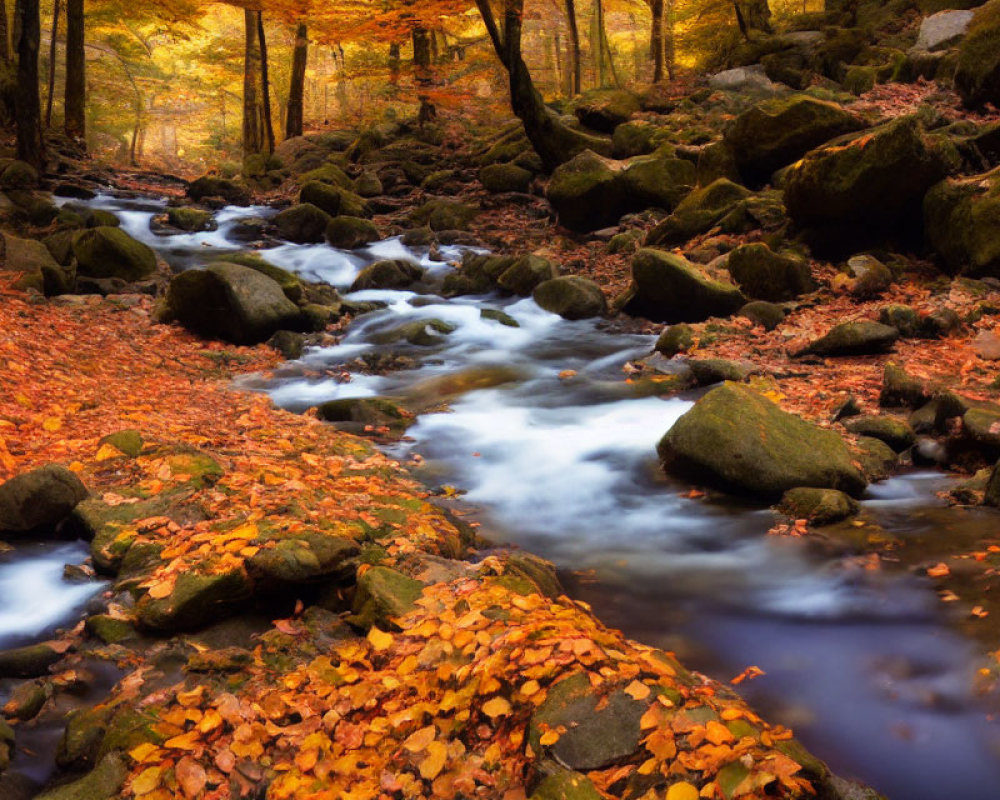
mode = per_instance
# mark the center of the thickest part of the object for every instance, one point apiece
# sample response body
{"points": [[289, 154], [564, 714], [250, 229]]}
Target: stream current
{"points": [[863, 664]]}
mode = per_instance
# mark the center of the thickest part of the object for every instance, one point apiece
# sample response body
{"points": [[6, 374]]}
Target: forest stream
{"points": [[552, 450]]}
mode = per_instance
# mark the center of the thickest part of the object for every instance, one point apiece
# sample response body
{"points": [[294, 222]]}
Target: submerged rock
{"points": [[740, 440]]}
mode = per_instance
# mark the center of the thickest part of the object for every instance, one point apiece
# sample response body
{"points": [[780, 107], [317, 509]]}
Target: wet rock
{"points": [[191, 220], [525, 273], [903, 318], [933, 415], [740, 440], [304, 223], [304, 558], [760, 312], [765, 275], [39, 499], [560, 783], [894, 431], [233, 192], [445, 215], [499, 178], [350, 233], [77, 215], [942, 30], [698, 212], [382, 595], [819, 506], [571, 297], [981, 424], [26, 700], [875, 180], [230, 302], [708, 371], [39, 269], [127, 442], [853, 339], [668, 288], [388, 274], [333, 200], [962, 222], [367, 413], [977, 74], [656, 181], [604, 110], [107, 252], [103, 783], [74, 190], [421, 332], [289, 282], [289, 343], [899, 388], [195, 601], [109, 629], [499, 316], [31, 661], [599, 729], [778, 132], [675, 339], [586, 192]]}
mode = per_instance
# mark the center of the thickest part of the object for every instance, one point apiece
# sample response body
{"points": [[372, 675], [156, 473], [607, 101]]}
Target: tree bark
{"points": [[254, 125], [52, 64], [75, 104], [656, 43], [422, 56], [265, 83], [574, 48], [28, 110], [4, 34], [296, 92], [753, 15], [394, 63], [554, 142]]}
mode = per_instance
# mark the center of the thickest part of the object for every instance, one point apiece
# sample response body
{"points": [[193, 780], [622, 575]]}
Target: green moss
{"points": [[978, 68]]}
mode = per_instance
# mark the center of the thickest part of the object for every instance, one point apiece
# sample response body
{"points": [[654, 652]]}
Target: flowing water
{"points": [[556, 452]]}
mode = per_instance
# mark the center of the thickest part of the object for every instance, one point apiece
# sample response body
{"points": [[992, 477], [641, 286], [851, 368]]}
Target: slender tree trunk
{"points": [[265, 83], [656, 43], [4, 33], [52, 64], [574, 48], [75, 104], [254, 126], [296, 92], [422, 56], [606, 44], [394, 63], [669, 46], [28, 111]]}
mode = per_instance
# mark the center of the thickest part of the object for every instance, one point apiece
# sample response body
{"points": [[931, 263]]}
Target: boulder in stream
{"points": [[107, 252], [39, 499], [350, 233], [394, 273], [818, 506], [571, 297], [741, 441], [232, 192], [304, 223]]}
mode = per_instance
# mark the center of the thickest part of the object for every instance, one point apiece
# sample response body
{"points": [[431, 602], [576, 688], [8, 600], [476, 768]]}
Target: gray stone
{"points": [[942, 30], [742, 79]]}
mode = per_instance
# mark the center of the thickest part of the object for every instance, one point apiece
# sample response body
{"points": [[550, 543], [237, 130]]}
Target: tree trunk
{"points": [[296, 93], [28, 110], [4, 34], [75, 104], [422, 56], [254, 126], [394, 64], [265, 83], [753, 15], [669, 48], [554, 142], [656, 43], [52, 64], [574, 48]]}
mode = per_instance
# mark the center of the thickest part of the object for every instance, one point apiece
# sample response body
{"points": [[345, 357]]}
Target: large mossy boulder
{"points": [[304, 558], [334, 200], [586, 192], [500, 178], [571, 297], [977, 74], [350, 233], [230, 302], [962, 222], [701, 210], [657, 181], [18, 175], [289, 282], [775, 133], [605, 110], [304, 223], [666, 287], [765, 275], [867, 185], [525, 273], [894, 431], [39, 499], [233, 192], [39, 269], [191, 220], [742, 442], [396, 273], [107, 252]]}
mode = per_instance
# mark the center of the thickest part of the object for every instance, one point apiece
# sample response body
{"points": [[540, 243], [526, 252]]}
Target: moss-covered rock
{"points": [[894, 431], [304, 558], [366, 413], [107, 252], [192, 220], [329, 174], [854, 339], [334, 200], [899, 388], [230, 302], [233, 192], [587, 192], [698, 212], [877, 460], [445, 215], [977, 75], [981, 424], [38, 267], [421, 332], [708, 371], [109, 629], [350, 233], [103, 783], [991, 496], [741, 441], [605, 110], [382, 595], [526, 273], [388, 274], [962, 222], [599, 730], [877, 179], [667, 287], [18, 175], [27, 700], [560, 783], [128, 442], [777, 132], [505, 178], [638, 138], [304, 223], [39, 499], [766, 275], [657, 181], [819, 506], [571, 297], [903, 318], [760, 312], [289, 282], [368, 184], [675, 339], [195, 601], [30, 661]]}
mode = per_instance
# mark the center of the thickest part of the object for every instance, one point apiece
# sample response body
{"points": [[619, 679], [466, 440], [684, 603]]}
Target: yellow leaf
{"points": [[147, 780], [530, 688], [142, 751], [548, 738], [210, 721], [52, 424], [186, 741], [419, 740], [380, 640], [637, 690], [107, 451], [431, 766], [497, 707], [647, 766], [682, 791], [162, 589]]}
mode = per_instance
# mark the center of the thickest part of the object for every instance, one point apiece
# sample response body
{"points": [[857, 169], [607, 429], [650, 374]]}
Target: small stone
{"points": [[819, 506], [894, 431], [760, 312], [854, 339], [899, 388]]}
